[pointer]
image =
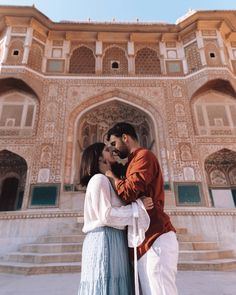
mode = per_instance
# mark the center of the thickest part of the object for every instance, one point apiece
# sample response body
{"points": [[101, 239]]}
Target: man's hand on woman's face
{"points": [[104, 166], [107, 154]]}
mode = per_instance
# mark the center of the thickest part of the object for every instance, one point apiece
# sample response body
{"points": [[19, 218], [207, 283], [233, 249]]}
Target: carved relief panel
{"points": [[185, 152], [221, 168], [94, 125]]}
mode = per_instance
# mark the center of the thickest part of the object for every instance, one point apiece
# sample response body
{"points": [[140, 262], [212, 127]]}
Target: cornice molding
{"points": [[201, 212], [8, 71], [79, 214], [114, 26], [38, 215]]}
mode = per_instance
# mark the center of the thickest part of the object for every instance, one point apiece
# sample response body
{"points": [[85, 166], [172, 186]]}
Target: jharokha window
{"points": [[215, 114], [17, 114]]}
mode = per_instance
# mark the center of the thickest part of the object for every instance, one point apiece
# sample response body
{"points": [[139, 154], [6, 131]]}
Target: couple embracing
{"points": [[119, 197]]}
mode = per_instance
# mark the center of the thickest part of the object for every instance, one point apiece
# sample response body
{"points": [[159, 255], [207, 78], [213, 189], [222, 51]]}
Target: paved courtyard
{"points": [[189, 283]]}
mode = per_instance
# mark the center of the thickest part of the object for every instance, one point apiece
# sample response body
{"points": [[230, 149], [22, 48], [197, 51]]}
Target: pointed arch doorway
{"points": [[221, 175], [93, 125], [13, 169]]}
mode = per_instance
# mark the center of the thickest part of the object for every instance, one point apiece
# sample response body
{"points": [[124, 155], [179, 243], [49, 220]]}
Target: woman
{"points": [[105, 262]]}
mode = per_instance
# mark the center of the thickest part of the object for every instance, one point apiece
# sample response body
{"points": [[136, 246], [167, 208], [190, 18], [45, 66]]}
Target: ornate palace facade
{"points": [[62, 85]]}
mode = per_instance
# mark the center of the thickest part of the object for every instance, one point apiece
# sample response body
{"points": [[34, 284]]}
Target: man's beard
{"points": [[123, 153]]}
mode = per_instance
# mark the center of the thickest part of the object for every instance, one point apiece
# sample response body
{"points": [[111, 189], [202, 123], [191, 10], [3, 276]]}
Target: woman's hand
{"points": [[147, 202]]}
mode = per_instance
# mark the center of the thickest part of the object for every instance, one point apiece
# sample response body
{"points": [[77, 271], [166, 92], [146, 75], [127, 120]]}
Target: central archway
{"points": [[93, 125], [130, 107]]}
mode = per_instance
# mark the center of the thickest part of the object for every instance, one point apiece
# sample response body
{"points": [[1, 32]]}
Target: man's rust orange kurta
{"points": [[144, 178]]}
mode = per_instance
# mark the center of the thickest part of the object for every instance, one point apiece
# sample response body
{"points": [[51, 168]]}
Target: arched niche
{"points": [[214, 109], [13, 170], [19, 108], [220, 168]]}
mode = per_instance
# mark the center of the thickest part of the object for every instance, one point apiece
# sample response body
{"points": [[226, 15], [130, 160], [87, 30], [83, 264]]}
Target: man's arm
{"points": [[141, 172]]}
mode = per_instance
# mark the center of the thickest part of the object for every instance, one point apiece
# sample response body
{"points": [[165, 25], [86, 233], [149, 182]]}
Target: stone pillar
{"points": [[231, 56], [27, 45], [131, 60], [200, 45], [98, 52], [66, 54], [181, 55], [44, 64], [221, 47], [26, 196], [47, 54], [163, 57], [7, 42]]}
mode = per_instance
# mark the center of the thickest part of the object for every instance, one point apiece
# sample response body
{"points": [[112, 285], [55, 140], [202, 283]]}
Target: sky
{"points": [[167, 11]]}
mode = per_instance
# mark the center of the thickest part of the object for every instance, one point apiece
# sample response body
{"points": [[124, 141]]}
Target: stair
{"points": [[60, 252], [197, 254]]}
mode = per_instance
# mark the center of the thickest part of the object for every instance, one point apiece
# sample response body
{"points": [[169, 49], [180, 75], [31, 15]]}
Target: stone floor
{"points": [[189, 283]]}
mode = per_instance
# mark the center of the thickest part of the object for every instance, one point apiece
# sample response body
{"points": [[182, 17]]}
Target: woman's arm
{"points": [[100, 194]]}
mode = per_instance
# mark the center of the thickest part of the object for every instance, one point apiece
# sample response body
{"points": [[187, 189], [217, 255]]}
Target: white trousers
{"points": [[157, 268]]}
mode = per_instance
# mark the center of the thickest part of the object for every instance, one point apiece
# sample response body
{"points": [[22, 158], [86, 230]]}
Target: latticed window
{"points": [[212, 53], [82, 61], [147, 62], [193, 57], [115, 62], [35, 57], [15, 52]]}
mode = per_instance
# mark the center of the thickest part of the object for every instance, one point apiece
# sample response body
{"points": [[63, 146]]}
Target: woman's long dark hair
{"points": [[90, 162]]}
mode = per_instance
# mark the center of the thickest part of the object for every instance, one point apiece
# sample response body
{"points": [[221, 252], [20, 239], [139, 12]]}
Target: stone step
{"points": [[198, 246], [43, 258], [51, 248], [61, 239], [68, 228], [60, 252], [30, 269], [211, 265], [189, 238], [205, 255], [77, 228], [76, 231], [181, 231], [79, 225]]}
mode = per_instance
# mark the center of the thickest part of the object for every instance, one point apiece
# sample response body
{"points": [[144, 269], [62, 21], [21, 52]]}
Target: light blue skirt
{"points": [[105, 263]]}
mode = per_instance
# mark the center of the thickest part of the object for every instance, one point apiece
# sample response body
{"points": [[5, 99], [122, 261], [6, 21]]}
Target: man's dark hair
{"points": [[90, 162], [122, 128]]}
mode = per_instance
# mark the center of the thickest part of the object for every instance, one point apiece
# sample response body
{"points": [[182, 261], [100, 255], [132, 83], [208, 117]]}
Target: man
{"points": [[158, 254]]}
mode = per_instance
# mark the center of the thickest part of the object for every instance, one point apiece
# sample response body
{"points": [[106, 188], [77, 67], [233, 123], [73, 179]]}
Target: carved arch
{"points": [[114, 96]]}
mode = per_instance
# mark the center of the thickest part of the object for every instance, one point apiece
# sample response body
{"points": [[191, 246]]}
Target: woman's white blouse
{"points": [[102, 207]]}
